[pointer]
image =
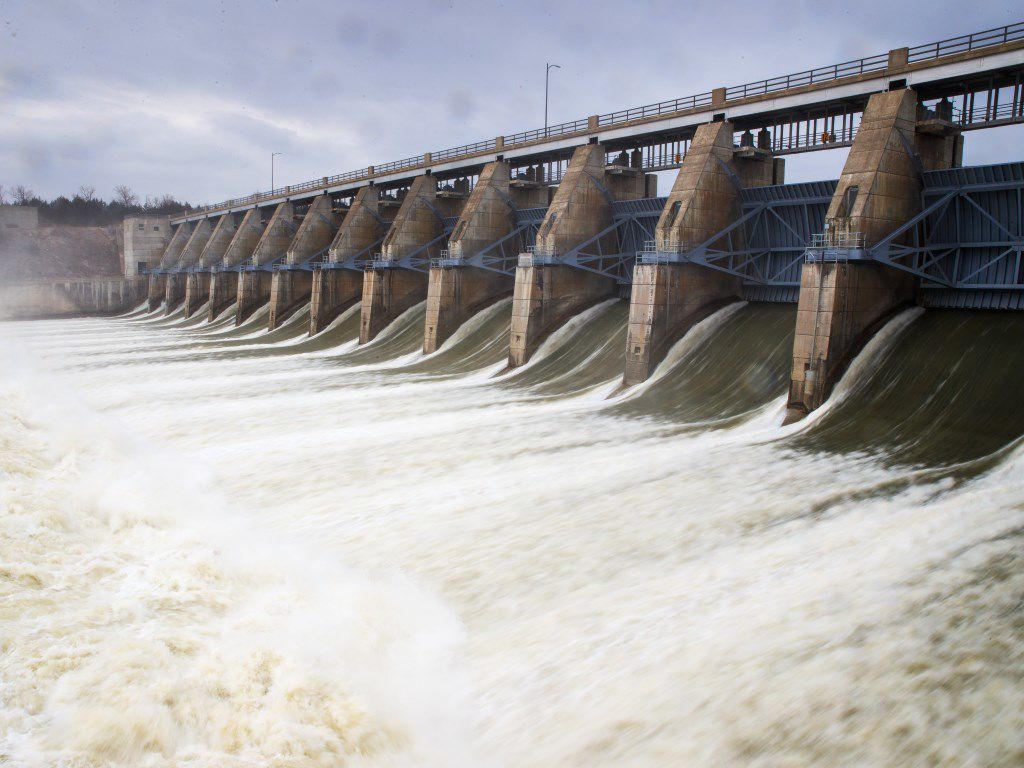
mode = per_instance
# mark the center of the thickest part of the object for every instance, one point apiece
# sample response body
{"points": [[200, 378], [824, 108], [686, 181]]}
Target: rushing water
{"points": [[223, 547]]}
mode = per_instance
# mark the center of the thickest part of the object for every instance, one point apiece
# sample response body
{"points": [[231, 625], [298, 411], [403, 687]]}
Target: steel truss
{"points": [[969, 234], [418, 259], [765, 245], [610, 252], [503, 254]]}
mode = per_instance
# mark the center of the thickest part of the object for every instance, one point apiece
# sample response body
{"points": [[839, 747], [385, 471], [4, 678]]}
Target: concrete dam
{"points": [[500, 455]]}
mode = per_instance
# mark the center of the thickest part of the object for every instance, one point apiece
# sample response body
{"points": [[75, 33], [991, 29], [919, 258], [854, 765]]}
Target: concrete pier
{"points": [[545, 296], [224, 285], [156, 289], [158, 284], [176, 288], [253, 293], [454, 294], [291, 288], [223, 292], [668, 298], [335, 289], [389, 291], [174, 291], [254, 286], [842, 303], [197, 291]]}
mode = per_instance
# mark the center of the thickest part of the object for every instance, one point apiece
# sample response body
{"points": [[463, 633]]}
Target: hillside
{"points": [[59, 252]]}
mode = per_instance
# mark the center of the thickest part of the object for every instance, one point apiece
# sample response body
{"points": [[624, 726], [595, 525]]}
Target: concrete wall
{"points": [[145, 240], [19, 216], [69, 298]]}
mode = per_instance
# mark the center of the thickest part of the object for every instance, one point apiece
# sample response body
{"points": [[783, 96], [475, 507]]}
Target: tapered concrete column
{"points": [[174, 293], [277, 236], [246, 238], [223, 292], [176, 245], [546, 296], [291, 289], [197, 291], [335, 290], [842, 304], [454, 294], [221, 237], [253, 293], [667, 299], [387, 293], [157, 289], [196, 243], [317, 230], [254, 287]]}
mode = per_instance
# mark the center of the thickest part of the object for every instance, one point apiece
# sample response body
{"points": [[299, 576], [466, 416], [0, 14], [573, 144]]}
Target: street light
{"points": [[547, 73], [272, 156]]}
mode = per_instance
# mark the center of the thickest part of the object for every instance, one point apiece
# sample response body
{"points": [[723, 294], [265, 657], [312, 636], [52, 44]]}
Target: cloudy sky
{"points": [[191, 97]]}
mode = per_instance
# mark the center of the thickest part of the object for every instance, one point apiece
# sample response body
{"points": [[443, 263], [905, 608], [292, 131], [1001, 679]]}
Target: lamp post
{"points": [[272, 156], [547, 73]]}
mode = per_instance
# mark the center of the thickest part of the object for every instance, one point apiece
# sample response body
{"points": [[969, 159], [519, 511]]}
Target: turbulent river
{"points": [[223, 547]]}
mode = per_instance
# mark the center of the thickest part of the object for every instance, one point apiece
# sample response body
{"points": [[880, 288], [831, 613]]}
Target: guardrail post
{"points": [[499, 143], [717, 97], [592, 122], [369, 171], [427, 158], [898, 59]]}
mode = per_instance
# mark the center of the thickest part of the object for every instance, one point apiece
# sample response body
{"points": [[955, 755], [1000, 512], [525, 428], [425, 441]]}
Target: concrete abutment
{"points": [[174, 292], [333, 291], [157, 289]]}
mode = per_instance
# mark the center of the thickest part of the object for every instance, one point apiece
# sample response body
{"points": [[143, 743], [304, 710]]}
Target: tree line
{"points": [[85, 209]]}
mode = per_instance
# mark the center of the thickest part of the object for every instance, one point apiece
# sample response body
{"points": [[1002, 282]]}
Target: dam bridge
{"points": [[565, 217]]}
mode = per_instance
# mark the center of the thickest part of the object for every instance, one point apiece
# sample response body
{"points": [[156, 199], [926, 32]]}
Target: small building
{"points": [[145, 239], [19, 217]]}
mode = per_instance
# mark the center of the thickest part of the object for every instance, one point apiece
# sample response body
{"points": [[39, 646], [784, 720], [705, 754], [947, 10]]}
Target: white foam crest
{"points": [[469, 327], [561, 335]]}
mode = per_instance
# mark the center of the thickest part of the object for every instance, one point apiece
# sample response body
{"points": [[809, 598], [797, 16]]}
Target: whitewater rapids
{"points": [[221, 548]]}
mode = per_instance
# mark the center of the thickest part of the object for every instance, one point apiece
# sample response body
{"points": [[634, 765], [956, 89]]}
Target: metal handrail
{"points": [[853, 68]]}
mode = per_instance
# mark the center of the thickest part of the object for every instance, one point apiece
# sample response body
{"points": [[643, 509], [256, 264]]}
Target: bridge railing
{"points": [[964, 43], [809, 77], [868, 64]]}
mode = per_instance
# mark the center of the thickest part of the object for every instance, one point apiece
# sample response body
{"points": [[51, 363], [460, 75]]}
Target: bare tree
{"points": [[22, 195], [86, 192], [124, 195], [3, 195]]}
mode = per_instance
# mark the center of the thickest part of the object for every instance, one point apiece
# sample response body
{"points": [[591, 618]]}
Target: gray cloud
{"points": [[192, 97]]}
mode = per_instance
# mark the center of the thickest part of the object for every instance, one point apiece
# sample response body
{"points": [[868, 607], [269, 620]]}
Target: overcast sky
{"points": [[190, 98]]}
